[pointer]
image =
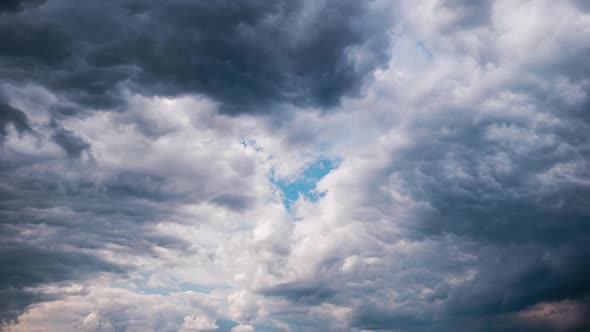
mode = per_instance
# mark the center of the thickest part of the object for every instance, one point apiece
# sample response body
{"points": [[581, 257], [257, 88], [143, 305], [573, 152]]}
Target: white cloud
{"points": [[462, 171], [243, 328]]}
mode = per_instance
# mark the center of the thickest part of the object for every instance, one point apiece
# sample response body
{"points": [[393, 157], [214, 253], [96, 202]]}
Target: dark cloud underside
{"points": [[458, 196], [248, 55], [12, 116]]}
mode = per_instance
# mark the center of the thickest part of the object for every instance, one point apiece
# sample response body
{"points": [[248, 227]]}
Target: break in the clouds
{"points": [[310, 165]]}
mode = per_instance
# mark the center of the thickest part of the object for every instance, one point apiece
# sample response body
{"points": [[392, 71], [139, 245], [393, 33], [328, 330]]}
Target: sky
{"points": [[295, 165]]}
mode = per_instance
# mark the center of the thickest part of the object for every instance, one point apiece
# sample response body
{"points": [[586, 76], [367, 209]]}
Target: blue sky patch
{"points": [[305, 184]]}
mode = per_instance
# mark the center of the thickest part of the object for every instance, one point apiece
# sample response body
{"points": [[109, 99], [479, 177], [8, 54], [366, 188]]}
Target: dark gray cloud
{"points": [[466, 209], [303, 293], [12, 116], [520, 207], [501, 185], [17, 5], [233, 201], [469, 14], [24, 267], [583, 5], [51, 226], [248, 55], [72, 144]]}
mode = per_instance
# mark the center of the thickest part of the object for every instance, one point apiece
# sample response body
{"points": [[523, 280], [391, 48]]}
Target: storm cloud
{"points": [[247, 55], [310, 165]]}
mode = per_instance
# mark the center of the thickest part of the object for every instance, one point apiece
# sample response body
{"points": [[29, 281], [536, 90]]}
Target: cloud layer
{"points": [[151, 153], [249, 56]]}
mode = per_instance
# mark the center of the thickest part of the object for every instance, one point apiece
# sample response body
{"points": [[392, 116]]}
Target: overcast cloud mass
{"points": [[307, 165]]}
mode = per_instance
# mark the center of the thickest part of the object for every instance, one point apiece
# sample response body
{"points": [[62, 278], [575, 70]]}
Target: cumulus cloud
{"points": [[146, 159], [14, 117], [100, 308], [243, 328], [248, 55]]}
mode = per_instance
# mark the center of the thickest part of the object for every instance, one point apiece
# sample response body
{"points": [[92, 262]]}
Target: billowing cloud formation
{"points": [[12, 116], [448, 187], [248, 55]]}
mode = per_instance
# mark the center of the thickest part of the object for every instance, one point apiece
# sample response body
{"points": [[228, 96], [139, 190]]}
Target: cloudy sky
{"points": [[294, 165]]}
